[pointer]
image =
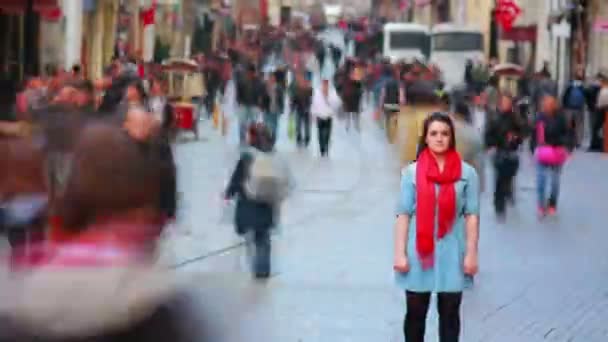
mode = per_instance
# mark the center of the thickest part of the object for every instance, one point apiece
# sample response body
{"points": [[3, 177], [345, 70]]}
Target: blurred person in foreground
{"points": [[105, 260], [260, 182], [469, 141]]}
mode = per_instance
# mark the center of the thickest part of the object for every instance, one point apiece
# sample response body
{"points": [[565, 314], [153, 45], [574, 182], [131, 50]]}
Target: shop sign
{"points": [[520, 34]]}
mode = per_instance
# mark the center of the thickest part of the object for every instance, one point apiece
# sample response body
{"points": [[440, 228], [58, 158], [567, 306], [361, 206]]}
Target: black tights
{"points": [[448, 306]]}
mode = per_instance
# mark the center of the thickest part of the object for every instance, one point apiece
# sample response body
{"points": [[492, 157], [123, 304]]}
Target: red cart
{"points": [[186, 84]]}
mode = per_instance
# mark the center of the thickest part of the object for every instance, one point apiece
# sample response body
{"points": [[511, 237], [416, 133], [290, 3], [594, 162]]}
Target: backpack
{"points": [[269, 180], [576, 98]]}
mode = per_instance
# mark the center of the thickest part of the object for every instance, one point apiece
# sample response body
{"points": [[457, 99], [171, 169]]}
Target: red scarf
{"points": [[427, 176]]}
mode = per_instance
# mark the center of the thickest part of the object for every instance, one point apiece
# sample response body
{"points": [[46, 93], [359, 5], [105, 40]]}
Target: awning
{"points": [[19, 6], [520, 34]]}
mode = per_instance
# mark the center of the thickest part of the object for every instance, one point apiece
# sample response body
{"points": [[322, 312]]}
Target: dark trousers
{"points": [[302, 127], [597, 125], [258, 246], [324, 128], [210, 100], [448, 307], [168, 186], [506, 165]]}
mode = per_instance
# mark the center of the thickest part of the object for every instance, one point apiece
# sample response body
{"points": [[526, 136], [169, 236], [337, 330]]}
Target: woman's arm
{"points": [[471, 211], [472, 234], [237, 178], [401, 230]]}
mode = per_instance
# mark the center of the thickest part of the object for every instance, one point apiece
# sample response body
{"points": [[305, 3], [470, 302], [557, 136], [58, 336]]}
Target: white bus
{"points": [[451, 47], [405, 41]]}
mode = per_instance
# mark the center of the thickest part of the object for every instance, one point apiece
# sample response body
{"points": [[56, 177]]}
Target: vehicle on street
{"points": [[451, 47], [405, 41]]}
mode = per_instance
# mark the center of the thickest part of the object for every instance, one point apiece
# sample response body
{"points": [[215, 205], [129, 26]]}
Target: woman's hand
{"points": [[471, 264], [401, 264]]}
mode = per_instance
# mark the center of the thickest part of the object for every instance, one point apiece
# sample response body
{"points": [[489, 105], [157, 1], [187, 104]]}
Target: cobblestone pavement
{"points": [[539, 280]]}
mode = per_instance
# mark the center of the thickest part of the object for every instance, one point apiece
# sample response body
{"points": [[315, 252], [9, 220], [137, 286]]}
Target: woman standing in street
{"points": [[325, 105], [437, 231]]}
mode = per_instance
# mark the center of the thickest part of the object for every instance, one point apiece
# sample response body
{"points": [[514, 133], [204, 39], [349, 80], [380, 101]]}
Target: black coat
{"points": [[249, 214], [556, 129], [505, 133]]}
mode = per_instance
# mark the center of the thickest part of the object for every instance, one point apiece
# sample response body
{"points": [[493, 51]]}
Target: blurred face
{"points": [[325, 86], [139, 125], [438, 137], [81, 98], [156, 88], [549, 105], [506, 104], [65, 95], [133, 94]]}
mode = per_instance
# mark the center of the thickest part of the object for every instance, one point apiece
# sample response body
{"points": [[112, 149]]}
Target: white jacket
{"points": [[325, 107]]}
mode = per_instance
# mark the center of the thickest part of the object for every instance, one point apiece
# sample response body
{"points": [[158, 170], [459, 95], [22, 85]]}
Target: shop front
{"points": [[20, 35]]}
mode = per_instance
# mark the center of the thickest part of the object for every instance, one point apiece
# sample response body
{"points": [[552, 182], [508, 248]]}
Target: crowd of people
{"points": [[106, 160]]}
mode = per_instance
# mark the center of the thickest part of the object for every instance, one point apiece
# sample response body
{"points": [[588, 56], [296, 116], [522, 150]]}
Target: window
{"points": [[458, 41], [408, 40]]}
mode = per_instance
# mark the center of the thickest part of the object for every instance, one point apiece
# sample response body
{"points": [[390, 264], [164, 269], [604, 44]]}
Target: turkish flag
{"points": [[53, 14], [147, 16], [506, 13]]}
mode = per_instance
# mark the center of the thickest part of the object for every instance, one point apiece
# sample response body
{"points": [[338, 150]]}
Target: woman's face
{"points": [[506, 104], [438, 137], [132, 94], [156, 88]]}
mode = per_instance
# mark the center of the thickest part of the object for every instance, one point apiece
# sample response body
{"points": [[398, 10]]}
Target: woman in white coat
{"points": [[325, 106]]}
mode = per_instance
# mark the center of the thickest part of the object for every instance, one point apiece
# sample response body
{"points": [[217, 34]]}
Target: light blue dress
{"points": [[447, 274]]}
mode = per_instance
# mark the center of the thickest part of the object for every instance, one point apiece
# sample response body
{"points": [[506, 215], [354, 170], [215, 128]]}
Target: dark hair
{"points": [[462, 109], [260, 137], [493, 81], [441, 117], [139, 86], [85, 85]]}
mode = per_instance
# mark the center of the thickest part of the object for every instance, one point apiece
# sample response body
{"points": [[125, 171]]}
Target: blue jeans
{"points": [[544, 173], [246, 117], [271, 120]]}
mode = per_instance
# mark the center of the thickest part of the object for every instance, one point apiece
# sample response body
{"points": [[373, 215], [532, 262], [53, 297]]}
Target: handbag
{"points": [[547, 154], [291, 127]]}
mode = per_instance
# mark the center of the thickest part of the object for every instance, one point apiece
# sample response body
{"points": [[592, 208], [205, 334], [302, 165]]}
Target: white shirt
{"points": [[157, 106], [479, 120], [325, 106]]}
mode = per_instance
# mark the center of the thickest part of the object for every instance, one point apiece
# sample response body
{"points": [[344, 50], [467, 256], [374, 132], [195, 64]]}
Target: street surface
{"points": [[332, 278]]}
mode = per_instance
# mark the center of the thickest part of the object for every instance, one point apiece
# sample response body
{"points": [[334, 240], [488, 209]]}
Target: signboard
{"points": [[520, 34], [561, 30]]}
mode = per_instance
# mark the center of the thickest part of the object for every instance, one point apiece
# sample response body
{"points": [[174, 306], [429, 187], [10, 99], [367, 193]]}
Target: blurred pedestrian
{"points": [[325, 106], [504, 134], [552, 140], [256, 214]]}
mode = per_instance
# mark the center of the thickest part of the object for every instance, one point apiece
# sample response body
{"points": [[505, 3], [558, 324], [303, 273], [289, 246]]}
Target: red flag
{"points": [[148, 16], [53, 14], [507, 12]]}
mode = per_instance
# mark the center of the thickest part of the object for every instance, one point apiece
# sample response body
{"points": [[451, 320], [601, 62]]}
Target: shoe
{"points": [[552, 211], [501, 217], [262, 275], [541, 212]]}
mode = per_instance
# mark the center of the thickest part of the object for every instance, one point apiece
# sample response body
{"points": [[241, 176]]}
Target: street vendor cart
{"points": [[185, 83]]}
